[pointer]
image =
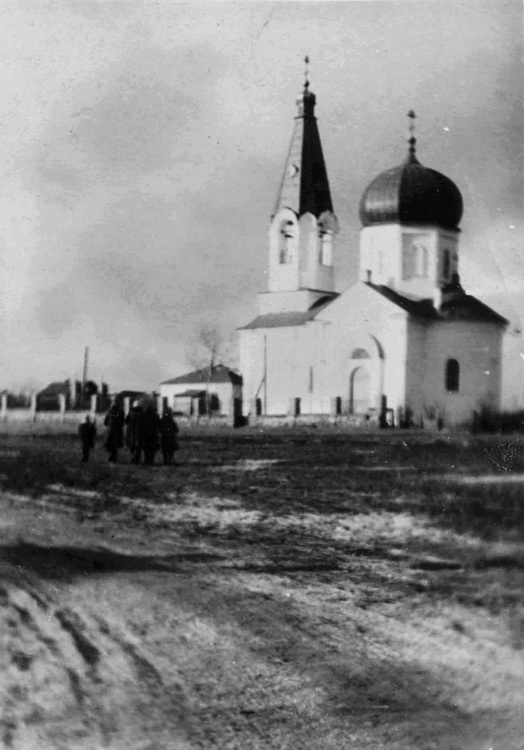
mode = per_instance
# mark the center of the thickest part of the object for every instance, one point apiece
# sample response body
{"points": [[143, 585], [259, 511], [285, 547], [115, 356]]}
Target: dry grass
{"points": [[290, 589], [453, 480]]}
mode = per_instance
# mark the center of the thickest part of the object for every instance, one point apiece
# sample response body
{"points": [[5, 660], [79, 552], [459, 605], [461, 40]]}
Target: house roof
{"points": [[292, 318], [219, 374], [56, 388]]}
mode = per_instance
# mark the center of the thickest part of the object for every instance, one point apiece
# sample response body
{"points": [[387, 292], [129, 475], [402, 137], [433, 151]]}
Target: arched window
{"points": [[446, 264], [325, 251], [287, 236], [452, 375], [359, 353], [420, 260]]}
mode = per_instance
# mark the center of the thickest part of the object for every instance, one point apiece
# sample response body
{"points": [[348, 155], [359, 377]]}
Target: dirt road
{"points": [[193, 618]]}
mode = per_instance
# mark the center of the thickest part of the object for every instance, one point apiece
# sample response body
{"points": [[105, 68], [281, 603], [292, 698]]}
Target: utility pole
{"points": [[265, 374], [86, 363]]}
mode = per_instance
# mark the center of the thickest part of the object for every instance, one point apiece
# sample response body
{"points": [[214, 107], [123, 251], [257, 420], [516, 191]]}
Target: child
{"points": [[168, 436], [87, 433]]}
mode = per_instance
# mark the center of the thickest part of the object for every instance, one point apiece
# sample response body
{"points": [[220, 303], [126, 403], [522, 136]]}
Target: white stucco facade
{"points": [[219, 389], [224, 393], [406, 341], [371, 354]]}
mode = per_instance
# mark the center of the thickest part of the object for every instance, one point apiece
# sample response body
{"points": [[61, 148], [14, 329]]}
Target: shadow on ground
{"points": [[68, 562]]}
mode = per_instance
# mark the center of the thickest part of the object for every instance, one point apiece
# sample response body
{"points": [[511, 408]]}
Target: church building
{"points": [[403, 344]]}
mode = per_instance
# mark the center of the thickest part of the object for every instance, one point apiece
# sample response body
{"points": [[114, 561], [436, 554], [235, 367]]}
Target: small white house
{"points": [[217, 389]]}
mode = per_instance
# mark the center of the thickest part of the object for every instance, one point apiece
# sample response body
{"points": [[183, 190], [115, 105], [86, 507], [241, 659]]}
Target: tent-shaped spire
{"points": [[304, 186]]}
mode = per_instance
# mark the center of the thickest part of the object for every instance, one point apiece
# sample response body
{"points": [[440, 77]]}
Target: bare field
{"points": [[281, 589]]}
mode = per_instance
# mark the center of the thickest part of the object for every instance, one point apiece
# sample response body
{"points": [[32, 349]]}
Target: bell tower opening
{"points": [[287, 242]]}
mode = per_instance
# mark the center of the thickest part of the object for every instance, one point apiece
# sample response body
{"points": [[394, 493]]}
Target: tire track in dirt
{"points": [[87, 664]]}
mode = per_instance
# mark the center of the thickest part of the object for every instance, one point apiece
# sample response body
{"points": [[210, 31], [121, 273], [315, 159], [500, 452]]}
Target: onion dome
{"points": [[412, 194]]}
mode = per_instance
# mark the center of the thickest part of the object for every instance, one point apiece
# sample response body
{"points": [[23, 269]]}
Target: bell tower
{"points": [[303, 225]]}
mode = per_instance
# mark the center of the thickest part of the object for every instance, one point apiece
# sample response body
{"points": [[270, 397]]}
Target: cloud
{"points": [[142, 153]]}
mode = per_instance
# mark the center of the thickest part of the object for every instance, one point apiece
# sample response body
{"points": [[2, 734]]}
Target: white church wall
{"points": [[419, 262], [478, 349], [360, 314], [408, 259], [447, 242], [313, 273], [380, 254], [251, 365], [281, 354], [286, 377], [416, 364]]}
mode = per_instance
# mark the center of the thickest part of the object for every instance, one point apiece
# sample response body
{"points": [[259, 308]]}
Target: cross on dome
{"points": [[306, 72], [412, 140]]}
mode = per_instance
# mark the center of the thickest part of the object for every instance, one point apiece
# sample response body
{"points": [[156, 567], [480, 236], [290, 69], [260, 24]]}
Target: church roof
{"points": [[304, 186], [219, 374], [455, 305], [291, 318], [419, 308], [412, 194]]}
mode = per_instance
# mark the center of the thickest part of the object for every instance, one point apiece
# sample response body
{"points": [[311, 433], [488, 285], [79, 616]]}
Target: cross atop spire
{"points": [[412, 140], [306, 72]]}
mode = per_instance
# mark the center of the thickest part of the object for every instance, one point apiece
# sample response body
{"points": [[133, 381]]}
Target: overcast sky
{"points": [[143, 143]]}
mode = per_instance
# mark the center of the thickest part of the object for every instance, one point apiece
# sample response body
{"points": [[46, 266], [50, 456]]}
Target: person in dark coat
{"points": [[87, 434], [114, 421], [149, 434], [133, 432], [168, 436]]}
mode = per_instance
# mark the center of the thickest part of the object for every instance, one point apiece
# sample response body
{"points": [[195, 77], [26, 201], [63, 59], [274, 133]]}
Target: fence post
{"points": [[160, 405], [336, 406], [62, 405], [3, 406], [32, 408], [92, 406], [127, 404]]}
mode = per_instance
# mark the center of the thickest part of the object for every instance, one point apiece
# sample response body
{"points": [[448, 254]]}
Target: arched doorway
{"points": [[359, 390]]}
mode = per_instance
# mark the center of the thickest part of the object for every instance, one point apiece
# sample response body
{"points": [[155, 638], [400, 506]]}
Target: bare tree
{"points": [[206, 346]]}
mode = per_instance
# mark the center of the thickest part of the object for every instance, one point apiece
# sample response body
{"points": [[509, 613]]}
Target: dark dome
{"points": [[412, 194]]}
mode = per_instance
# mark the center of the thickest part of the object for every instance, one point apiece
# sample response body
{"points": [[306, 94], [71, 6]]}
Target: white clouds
{"points": [[143, 144]]}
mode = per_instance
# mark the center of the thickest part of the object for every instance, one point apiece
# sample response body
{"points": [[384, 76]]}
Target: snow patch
{"points": [[250, 464]]}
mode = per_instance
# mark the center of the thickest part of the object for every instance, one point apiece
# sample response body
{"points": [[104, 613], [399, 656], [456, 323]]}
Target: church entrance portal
{"points": [[359, 390]]}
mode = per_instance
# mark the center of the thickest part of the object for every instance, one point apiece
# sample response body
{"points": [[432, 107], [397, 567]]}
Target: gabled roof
{"points": [[219, 374], [455, 305], [56, 388], [291, 318], [422, 308]]}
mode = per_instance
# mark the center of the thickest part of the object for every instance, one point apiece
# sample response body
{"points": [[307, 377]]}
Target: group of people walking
{"points": [[145, 434]]}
